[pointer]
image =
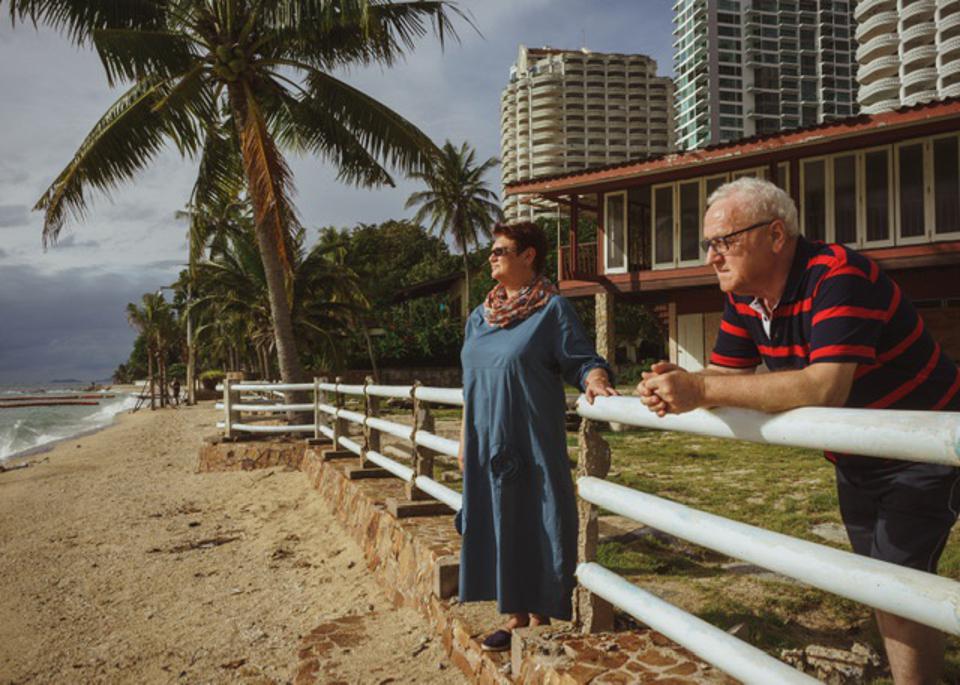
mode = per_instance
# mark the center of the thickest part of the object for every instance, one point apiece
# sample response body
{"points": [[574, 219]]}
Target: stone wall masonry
{"points": [[416, 561], [218, 454]]}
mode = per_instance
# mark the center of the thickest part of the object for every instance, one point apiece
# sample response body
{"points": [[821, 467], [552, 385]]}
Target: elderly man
{"points": [[836, 331]]}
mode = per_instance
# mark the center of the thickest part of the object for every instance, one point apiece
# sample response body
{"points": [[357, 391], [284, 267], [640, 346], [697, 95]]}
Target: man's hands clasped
{"points": [[668, 389]]}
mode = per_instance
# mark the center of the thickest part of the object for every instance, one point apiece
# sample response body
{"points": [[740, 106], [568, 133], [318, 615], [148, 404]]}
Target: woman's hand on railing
{"points": [[597, 384]]}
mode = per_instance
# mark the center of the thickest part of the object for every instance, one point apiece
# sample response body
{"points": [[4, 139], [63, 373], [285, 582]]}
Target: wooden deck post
{"points": [[340, 428], [422, 457], [418, 503], [592, 614], [371, 408]]}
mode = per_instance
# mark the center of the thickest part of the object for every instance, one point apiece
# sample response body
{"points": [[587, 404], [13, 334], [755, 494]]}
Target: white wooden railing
{"points": [[420, 476], [932, 437]]}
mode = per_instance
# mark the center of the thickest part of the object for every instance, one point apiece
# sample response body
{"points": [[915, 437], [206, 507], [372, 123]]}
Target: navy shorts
{"points": [[896, 511]]}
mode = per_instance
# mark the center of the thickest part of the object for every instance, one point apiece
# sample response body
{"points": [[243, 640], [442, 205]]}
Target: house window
{"points": [[663, 225], [615, 229], [690, 214], [910, 179], [783, 177], [876, 170], [814, 216], [845, 199], [712, 184], [946, 189]]}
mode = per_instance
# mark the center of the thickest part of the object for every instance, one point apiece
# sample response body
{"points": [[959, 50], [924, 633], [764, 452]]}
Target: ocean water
{"points": [[28, 428]]}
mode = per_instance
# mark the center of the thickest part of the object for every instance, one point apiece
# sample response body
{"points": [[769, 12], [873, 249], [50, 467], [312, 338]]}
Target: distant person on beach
{"points": [[837, 332], [175, 390], [519, 515]]}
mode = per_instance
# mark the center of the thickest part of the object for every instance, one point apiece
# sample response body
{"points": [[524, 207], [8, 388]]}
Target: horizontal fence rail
{"points": [[922, 597], [421, 438], [713, 645], [932, 437], [926, 436]]}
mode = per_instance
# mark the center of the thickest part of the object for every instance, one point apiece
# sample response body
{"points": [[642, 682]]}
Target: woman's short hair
{"points": [[526, 234], [763, 200]]}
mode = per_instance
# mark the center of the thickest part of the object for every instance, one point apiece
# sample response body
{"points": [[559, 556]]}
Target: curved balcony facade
{"points": [[879, 46], [915, 11], [924, 65], [879, 23]]}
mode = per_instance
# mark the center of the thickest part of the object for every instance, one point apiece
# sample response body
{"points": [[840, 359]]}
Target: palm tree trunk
{"points": [[466, 280], [162, 372], [150, 377], [289, 361], [373, 359]]}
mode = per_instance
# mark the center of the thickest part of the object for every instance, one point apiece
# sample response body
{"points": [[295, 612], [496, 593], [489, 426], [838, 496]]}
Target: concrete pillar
{"points": [[606, 333]]}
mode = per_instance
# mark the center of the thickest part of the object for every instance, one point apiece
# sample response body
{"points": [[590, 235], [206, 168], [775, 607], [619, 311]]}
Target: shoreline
{"points": [[122, 564], [17, 458]]}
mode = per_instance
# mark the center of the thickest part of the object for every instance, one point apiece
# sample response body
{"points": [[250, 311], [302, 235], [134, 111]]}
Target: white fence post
{"points": [[227, 407], [316, 408]]}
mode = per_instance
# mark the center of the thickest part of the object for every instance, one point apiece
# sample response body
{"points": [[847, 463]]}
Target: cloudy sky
{"points": [[62, 310]]}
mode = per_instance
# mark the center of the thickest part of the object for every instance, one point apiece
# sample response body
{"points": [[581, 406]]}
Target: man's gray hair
{"points": [[761, 200]]}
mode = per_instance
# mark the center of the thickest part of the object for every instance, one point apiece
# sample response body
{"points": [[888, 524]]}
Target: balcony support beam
{"points": [[574, 237]]}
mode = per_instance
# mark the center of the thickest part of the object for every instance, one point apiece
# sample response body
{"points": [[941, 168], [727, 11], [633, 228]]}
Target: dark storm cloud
{"points": [[13, 215], [71, 324]]}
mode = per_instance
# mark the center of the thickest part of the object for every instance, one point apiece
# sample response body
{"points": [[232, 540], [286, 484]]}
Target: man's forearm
{"points": [[768, 392]]}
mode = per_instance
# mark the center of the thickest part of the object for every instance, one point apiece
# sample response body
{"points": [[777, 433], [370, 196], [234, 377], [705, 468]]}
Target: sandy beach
{"points": [[120, 564]]}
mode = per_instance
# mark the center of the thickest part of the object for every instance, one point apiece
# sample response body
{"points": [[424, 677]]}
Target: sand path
{"points": [[118, 563]]}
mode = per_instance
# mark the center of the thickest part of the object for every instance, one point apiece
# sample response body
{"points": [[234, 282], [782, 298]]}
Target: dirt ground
{"points": [[120, 564]]}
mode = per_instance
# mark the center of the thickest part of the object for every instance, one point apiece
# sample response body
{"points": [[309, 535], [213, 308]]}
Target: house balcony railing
{"points": [[588, 265]]}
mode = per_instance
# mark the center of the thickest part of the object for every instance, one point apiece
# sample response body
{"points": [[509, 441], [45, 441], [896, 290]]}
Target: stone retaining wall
{"points": [[416, 559], [223, 455]]}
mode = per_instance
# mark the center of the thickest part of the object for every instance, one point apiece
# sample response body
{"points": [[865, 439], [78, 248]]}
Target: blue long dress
{"points": [[519, 516]]}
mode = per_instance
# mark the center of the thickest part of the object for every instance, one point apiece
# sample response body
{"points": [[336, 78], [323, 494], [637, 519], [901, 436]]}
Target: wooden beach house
{"points": [[887, 184]]}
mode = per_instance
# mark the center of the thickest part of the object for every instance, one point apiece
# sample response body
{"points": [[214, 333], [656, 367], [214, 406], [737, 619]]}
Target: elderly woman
{"points": [[519, 516]]}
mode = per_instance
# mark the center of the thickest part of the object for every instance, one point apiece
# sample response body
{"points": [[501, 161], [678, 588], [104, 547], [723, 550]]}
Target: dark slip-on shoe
{"points": [[497, 641]]}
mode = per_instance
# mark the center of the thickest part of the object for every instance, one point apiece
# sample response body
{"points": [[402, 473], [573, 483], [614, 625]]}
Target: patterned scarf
{"points": [[502, 310]]}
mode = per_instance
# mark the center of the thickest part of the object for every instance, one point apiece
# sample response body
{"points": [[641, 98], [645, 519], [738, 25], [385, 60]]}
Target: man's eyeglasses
{"points": [[500, 251], [721, 244]]}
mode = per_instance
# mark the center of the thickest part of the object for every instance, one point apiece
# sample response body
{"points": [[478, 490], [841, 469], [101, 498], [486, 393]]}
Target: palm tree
{"points": [[458, 202], [232, 291], [154, 320], [232, 82]]}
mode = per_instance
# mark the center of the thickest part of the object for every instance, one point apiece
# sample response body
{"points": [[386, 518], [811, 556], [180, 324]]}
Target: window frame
{"points": [[607, 269], [926, 162], [672, 264], [930, 197], [892, 202], [827, 195]]}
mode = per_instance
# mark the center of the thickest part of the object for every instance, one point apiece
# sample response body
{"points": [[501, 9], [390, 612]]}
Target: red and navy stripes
{"points": [[838, 306]]}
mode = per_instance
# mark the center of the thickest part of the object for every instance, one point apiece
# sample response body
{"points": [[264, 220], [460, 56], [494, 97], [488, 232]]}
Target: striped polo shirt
{"points": [[838, 306]]}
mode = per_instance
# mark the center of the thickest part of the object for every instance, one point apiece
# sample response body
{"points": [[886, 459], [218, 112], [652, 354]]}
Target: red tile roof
{"points": [[837, 128]]}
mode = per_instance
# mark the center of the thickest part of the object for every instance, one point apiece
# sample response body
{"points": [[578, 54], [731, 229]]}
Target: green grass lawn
{"points": [[781, 489]]}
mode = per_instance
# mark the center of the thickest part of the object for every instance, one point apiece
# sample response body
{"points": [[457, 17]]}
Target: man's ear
{"points": [[778, 235]]}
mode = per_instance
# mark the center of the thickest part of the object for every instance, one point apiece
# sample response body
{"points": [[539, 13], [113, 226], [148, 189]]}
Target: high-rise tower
{"points": [[565, 110], [745, 67], [909, 52]]}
